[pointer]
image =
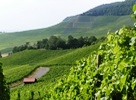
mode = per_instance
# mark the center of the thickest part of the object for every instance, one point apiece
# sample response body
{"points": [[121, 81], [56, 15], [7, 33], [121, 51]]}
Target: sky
{"points": [[21, 15]]}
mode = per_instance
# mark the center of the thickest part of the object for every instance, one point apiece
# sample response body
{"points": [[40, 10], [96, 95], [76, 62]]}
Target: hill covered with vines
{"points": [[107, 74]]}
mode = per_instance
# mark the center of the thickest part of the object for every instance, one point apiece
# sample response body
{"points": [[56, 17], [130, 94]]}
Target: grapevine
{"points": [[113, 79]]}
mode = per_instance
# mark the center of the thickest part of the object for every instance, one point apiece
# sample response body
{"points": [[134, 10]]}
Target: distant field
{"points": [[75, 26]]}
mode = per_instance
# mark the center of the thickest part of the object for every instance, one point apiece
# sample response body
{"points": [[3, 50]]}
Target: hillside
{"points": [[85, 24]]}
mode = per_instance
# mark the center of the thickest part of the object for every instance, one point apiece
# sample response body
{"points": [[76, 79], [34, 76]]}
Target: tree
{"points": [[61, 44], [81, 41], [15, 49], [52, 42], [70, 39], [89, 40], [0, 55], [4, 89], [92, 39], [45, 43]]}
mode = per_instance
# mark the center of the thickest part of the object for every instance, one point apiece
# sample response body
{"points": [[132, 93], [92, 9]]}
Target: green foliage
{"points": [[4, 90], [134, 8], [115, 77], [134, 12], [0, 55]]}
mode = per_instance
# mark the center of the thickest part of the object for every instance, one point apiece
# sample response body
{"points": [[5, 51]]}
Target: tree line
{"points": [[114, 9], [55, 43], [0, 55]]}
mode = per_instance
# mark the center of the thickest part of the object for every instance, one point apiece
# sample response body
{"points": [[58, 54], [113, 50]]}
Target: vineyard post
{"points": [[98, 60]]}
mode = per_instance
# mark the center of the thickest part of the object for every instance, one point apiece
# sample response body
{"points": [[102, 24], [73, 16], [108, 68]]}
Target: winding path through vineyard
{"points": [[38, 73]]}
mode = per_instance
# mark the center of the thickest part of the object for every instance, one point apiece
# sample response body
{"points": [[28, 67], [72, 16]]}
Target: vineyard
{"points": [[113, 79], [21, 64], [109, 76], [38, 90], [108, 73]]}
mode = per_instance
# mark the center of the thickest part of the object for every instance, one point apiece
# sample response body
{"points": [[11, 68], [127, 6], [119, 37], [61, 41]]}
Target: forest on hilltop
{"points": [[124, 8]]}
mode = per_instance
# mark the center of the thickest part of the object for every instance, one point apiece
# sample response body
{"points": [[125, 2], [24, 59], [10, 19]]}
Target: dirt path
{"points": [[38, 73]]}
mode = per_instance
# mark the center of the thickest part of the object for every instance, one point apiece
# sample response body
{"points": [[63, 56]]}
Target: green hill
{"points": [[85, 24]]}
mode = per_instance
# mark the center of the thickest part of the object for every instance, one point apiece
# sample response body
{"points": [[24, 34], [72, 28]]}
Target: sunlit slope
{"points": [[75, 26]]}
